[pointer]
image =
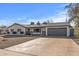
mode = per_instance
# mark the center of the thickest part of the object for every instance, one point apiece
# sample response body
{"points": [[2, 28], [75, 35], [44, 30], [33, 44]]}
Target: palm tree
{"points": [[73, 12]]}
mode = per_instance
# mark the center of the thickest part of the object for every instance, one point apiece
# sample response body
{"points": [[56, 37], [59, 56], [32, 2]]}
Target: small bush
{"points": [[76, 32]]}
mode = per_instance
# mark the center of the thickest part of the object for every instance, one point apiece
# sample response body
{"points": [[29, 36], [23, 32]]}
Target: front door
{"points": [[28, 32]]}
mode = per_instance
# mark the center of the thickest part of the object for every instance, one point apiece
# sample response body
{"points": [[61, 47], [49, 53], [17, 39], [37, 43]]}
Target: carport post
{"points": [[68, 31], [46, 31]]}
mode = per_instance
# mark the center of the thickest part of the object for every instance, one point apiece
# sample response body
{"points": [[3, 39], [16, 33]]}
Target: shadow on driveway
{"points": [[76, 40]]}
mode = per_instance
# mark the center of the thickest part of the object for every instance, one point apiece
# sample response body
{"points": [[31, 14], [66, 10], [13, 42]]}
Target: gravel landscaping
{"points": [[8, 42]]}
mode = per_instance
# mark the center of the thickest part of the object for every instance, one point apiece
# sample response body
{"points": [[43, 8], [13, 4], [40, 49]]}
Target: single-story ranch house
{"points": [[50, 29]]}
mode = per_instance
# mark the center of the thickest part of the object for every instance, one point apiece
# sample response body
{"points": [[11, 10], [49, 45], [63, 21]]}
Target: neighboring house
{"points": [[16, 29], [50, 29], [3, 30]]}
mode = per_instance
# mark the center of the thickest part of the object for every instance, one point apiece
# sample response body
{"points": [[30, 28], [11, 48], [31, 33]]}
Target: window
{"points": [[8, 32], [4, 33], [19, 30], [12, 30], [36, 30], [28, 29]]}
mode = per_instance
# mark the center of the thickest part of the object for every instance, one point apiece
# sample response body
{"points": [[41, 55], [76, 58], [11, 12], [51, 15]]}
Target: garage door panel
{"points": [[57, 31]]}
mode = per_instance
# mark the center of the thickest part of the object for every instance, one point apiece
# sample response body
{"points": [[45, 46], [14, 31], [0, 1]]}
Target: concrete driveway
{"points": [[48, 47], [11, 53]]}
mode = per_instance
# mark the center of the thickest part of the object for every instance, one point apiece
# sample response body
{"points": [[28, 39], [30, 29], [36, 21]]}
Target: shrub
{"points": [[76, 32]]}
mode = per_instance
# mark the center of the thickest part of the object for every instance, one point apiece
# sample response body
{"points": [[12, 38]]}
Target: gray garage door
{"points": [[57, 31]]}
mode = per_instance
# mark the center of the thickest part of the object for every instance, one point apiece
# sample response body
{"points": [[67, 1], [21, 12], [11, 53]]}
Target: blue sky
{"points": [[27, 12]]}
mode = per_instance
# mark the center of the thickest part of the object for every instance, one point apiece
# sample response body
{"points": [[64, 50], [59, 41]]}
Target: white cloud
{"points": [[6, 22], [59, 17], [10, 20]]}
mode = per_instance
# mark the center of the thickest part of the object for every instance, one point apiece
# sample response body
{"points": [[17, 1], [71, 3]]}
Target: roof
{"points": [[49, 24], [43, 25], [3, 27], [16, 24]]}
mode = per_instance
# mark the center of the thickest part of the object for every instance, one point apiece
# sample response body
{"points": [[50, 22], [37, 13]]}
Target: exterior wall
{"points": [[15, 27]]}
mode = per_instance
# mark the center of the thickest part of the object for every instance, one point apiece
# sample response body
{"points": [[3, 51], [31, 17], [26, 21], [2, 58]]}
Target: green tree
{"points": [[73, 13], [32, 23]]}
